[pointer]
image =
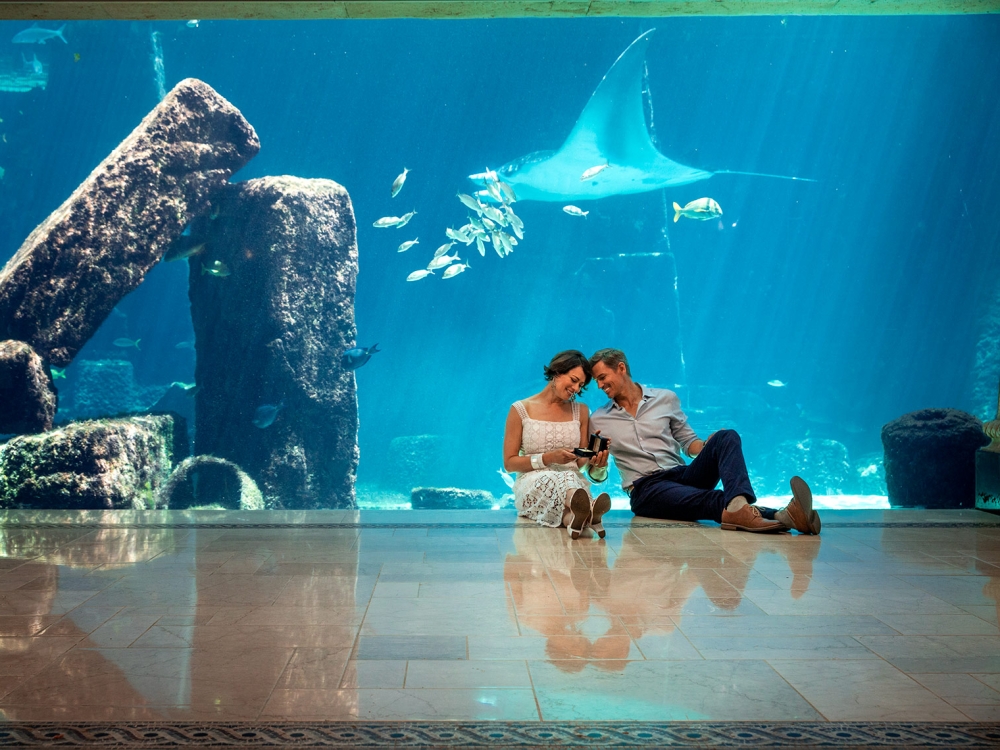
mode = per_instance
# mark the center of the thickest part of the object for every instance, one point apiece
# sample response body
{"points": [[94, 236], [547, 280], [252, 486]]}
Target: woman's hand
{"points": [[560, 456]]}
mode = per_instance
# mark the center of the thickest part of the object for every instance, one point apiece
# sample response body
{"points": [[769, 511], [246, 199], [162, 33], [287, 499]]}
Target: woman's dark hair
{"points": [[565, 361]]}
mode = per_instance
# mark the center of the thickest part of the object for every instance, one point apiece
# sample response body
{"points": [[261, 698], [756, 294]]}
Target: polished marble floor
{"points": [[416, 615]]}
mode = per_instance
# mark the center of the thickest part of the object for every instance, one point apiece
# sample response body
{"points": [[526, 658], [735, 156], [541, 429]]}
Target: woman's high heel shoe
{"points": [[601, 506], [579, 513]]}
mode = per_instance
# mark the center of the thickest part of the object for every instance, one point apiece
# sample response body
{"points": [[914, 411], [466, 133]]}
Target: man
{"points": [[648, 430]]}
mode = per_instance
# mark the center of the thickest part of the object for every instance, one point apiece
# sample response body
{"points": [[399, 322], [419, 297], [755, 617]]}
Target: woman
{"points": [[538, 444]]}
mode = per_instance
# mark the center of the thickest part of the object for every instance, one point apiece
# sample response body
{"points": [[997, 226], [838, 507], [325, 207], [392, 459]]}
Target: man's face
{"points": [[611, 380]]}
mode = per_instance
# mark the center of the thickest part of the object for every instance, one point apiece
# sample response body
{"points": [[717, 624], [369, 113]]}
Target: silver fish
{"points": [[443, 249], [518, 231], [508, 192], [702, 209], [457, 235], [593, 171], [405, 219], [496, 244], [489, 225], [35, 34], [387, 221], [454, 270], [494, 215], [442, 261], [505, 241], [407, 245], [574, 211], [417, 275], [470, 202], [397, 184], [480, 247], [494, 190]]}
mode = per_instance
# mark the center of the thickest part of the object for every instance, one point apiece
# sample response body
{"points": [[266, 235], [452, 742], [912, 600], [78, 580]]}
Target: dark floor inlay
{"points": [[505, 524], [517, 734]]}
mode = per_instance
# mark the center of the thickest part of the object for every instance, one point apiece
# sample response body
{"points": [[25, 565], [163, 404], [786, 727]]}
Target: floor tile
{"points": [[782, 625], [315, 668], [412, 647], [771, 647], [467, 674], [959, 689], [863, 691], [410, 705], [922, 624], [667, 691], [376, 673], [569, 647]]}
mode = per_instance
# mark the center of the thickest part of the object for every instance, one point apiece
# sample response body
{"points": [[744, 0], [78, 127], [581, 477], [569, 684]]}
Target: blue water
{"points": [[864, 292]]}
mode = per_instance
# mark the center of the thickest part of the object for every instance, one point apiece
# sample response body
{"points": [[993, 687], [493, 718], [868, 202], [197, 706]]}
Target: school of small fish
{"points": [[493, 223]]}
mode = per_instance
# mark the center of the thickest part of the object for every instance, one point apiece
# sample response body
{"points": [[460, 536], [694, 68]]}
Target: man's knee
{"points": [[728, 436]]}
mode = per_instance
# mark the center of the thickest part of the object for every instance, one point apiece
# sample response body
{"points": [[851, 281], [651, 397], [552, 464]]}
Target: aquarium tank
{"points": [[311, 264]]}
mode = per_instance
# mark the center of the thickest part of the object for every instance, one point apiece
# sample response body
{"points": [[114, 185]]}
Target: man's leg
{"points": [[722, 459], [660, 497]]}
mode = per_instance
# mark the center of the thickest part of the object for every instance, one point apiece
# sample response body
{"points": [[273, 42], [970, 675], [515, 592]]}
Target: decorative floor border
{"points": [[502, 734], [490, 525]]}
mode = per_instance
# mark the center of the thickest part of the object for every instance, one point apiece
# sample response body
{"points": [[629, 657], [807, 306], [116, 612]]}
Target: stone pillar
{"points": [[27, 398], [270, 330], [100, 243]]}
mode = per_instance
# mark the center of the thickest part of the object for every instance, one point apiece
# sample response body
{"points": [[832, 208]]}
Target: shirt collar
{"points": [[646, 395]]}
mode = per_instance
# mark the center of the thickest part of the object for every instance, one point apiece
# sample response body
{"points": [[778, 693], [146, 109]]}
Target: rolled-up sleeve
{"points": [[679, 427]]}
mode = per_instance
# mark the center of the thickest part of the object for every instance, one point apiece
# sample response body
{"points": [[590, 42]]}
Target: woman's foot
{"points": [[579, 513], [601, 506]]}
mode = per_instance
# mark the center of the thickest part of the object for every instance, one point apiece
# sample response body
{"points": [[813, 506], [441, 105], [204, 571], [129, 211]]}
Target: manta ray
{"points": [[610, 131]]}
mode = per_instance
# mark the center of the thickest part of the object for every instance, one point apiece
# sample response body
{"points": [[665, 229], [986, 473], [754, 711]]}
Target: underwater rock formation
{"points": [[210, 481], [27, 399], [930, 458], [269, 332], [112, 464], [415, 461], [450, 498], [105, 388], [100, 243]]}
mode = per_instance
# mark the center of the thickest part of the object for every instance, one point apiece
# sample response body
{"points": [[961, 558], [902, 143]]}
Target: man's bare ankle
{"points": [[736, 503]]}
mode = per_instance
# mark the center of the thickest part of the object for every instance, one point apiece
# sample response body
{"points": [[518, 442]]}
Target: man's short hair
{"points": [[611, 358]]}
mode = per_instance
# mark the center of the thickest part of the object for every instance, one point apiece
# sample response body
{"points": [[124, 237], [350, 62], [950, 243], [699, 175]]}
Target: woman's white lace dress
{"points": [[541, 494]]}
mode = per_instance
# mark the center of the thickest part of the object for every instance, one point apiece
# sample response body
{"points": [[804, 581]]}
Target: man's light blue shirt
{"points": [[650, 441]]}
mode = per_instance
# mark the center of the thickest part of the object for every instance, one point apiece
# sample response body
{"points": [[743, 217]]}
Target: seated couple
{"points": [[647, 432]]}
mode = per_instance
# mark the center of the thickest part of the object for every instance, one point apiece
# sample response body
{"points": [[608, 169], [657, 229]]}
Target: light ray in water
{"points": [[610, 130], [158, 72]]}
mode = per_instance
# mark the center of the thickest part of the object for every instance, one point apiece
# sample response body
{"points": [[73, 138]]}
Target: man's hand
{"points": [[597, 466], [696, 446]]}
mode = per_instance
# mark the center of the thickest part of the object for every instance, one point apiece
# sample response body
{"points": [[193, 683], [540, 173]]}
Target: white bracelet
{"points": [[536, 461]]}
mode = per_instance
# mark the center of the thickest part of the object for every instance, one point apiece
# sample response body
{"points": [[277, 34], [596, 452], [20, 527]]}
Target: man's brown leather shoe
{"points": [[799, 511], [748, 518]]}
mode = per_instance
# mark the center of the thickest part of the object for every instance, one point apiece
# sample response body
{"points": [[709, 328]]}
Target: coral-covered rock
{"points": [[100, 243], [415, 461], [450, 498], [109, 464], [107, 388], [27, 399], [930, 459], [220, 484], [271, 323]]}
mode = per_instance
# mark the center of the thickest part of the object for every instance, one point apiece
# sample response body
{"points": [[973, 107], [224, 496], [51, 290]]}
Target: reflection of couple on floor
{"points": [[647, 432], [592, 602]]}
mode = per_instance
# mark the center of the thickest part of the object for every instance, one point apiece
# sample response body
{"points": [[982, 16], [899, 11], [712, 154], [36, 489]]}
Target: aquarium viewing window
{"points": [[308, 255]]}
